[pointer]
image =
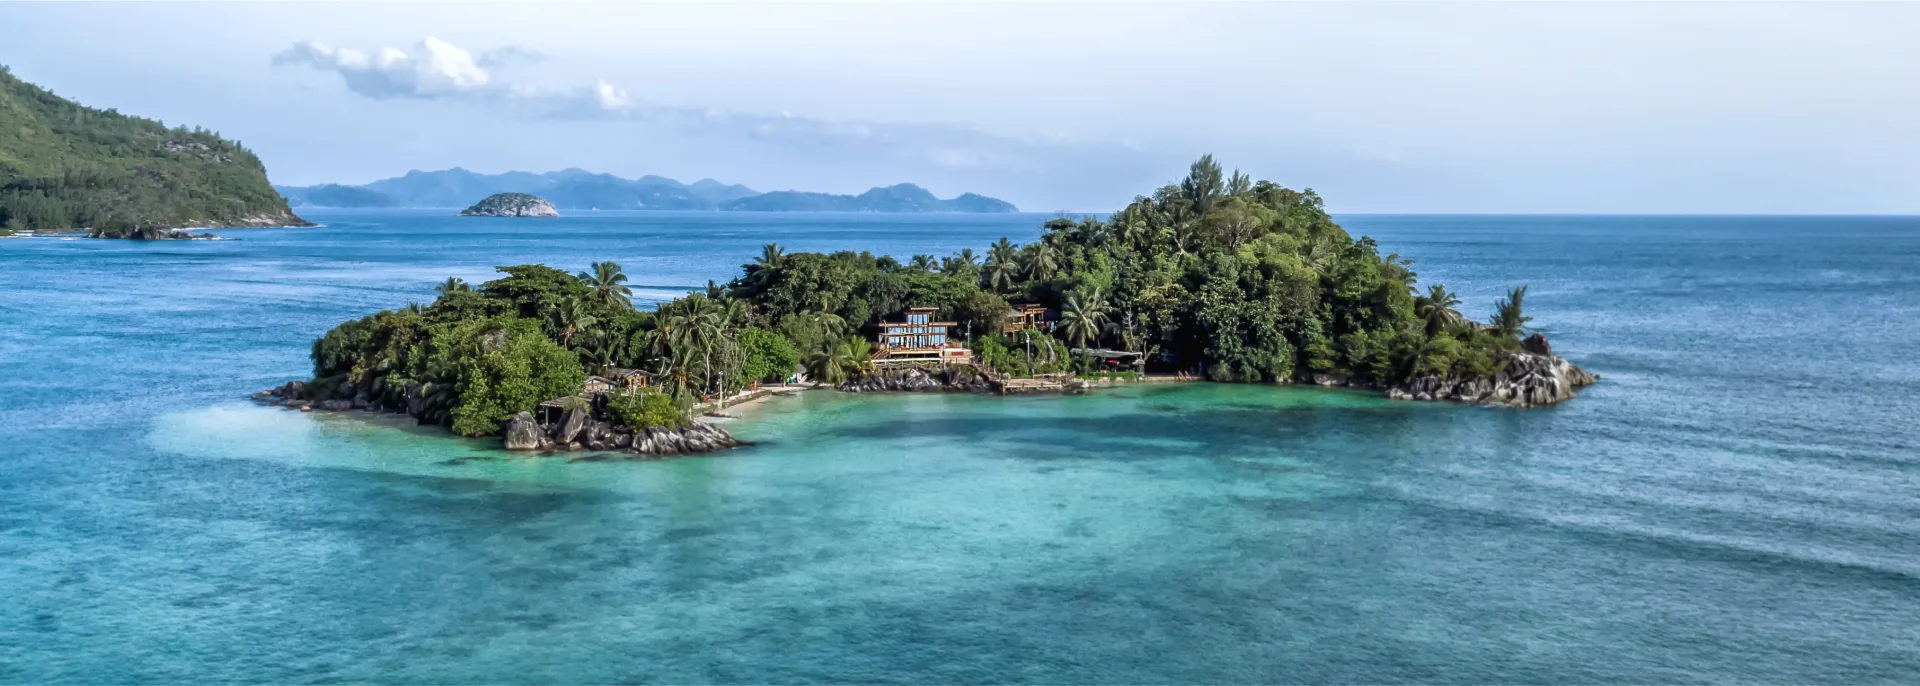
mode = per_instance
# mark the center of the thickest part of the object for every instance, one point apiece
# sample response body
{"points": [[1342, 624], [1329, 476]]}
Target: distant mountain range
{"points": [[578, 189]]}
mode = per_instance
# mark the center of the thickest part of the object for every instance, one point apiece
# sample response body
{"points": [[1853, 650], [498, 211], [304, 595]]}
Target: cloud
{"points": [[434, 69], [510, 56]]}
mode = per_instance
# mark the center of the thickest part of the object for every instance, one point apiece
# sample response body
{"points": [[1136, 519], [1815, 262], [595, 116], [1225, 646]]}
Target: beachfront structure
{"points": [[1029, 316], [918, 338], [627, 380]]}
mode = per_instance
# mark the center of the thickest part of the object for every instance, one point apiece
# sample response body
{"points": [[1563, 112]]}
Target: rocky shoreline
{"points": [[577, 430], [930, 379], [1532, 377], [165, 233]]}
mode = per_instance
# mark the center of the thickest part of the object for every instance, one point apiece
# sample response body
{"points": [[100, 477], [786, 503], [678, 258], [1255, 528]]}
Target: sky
{"points": [[1428, 107]]}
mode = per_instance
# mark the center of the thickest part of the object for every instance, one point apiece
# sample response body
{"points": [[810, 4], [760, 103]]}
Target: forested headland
{"points": [[1219, 275], [66, 166]]}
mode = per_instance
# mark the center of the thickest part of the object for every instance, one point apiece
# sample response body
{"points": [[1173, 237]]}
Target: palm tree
{"points": [[1041, 261], [1396, 268], [1507, 319], [451, 285], [921, 263], [608, 284], [772, 258], [1322, 255], [841, 360], [695, 326], [962, 263], [1003, 265], [1439, 308], [1131, 229], [573, 316], [1082, 318], [598, 348]]}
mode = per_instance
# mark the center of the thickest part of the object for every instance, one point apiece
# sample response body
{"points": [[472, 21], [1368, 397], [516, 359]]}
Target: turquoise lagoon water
{"points": [[1736, 502]]}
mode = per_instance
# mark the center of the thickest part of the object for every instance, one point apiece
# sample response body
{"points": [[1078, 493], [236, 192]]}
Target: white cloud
{"points": [[434, 69]]}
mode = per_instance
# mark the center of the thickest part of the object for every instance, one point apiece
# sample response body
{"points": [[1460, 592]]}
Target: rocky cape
{"points": [[577, 429], [179, 232], [1531, 378], [511, 205]]}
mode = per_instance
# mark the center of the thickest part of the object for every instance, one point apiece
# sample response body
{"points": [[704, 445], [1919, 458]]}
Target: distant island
{"points": [[511, 205], [578, 189], [1217, 277], [65, 167]]}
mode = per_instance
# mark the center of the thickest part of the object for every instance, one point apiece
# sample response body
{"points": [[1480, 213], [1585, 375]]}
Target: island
{"points": [[511, 205], [67, 167], [1217, 277], [903, 197], [578, 189]]}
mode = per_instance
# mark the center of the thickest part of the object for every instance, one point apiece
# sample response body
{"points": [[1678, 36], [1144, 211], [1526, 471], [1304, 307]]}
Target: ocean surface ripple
{"points": [[1736, 502]]}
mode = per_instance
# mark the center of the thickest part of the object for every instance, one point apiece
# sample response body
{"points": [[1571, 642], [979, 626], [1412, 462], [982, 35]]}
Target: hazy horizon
{"points": [[1426, 108]]}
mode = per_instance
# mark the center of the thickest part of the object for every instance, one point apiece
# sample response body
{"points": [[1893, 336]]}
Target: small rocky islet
{"points": [[511, 205]]}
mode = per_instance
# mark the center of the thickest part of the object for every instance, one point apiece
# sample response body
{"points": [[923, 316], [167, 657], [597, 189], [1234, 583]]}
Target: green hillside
{"points": [[66, 166]]}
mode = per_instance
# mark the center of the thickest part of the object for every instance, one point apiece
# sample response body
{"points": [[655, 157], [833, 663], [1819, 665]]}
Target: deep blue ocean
{"points": [[1737, 501]]}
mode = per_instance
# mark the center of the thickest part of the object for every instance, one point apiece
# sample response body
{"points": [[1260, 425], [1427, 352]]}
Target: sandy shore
{"points": [[747, 401]]}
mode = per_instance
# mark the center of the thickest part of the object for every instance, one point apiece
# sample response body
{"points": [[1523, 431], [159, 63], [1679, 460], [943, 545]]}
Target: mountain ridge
{"points": [[574, 188]]}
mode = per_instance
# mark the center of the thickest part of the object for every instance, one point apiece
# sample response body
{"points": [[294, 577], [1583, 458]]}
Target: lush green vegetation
{"points": [[477, 355], [1219, 274], [646, 410], [1243, 280], [65, 166]]}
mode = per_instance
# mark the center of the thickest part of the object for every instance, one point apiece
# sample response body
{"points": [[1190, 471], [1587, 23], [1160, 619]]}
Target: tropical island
{"points": [[67, 167], [511, 205], [578, 189], [1217, 277]]}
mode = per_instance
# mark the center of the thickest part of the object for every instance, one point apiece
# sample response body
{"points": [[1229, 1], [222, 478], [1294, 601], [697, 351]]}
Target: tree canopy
{"points": [[66, 166]]}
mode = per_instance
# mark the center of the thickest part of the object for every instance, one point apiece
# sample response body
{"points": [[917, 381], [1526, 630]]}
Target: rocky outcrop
{"points": [[511, 205], [524, 433], [178, 233], [572, 426], [576, 430], [1537, 344], [156, 234], [1529, 379], [693, 438], [958, 378]]}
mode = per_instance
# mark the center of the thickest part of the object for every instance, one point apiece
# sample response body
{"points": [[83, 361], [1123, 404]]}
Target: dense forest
{"points": [[1219, 274], [1241, 280], [65, 166]]}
